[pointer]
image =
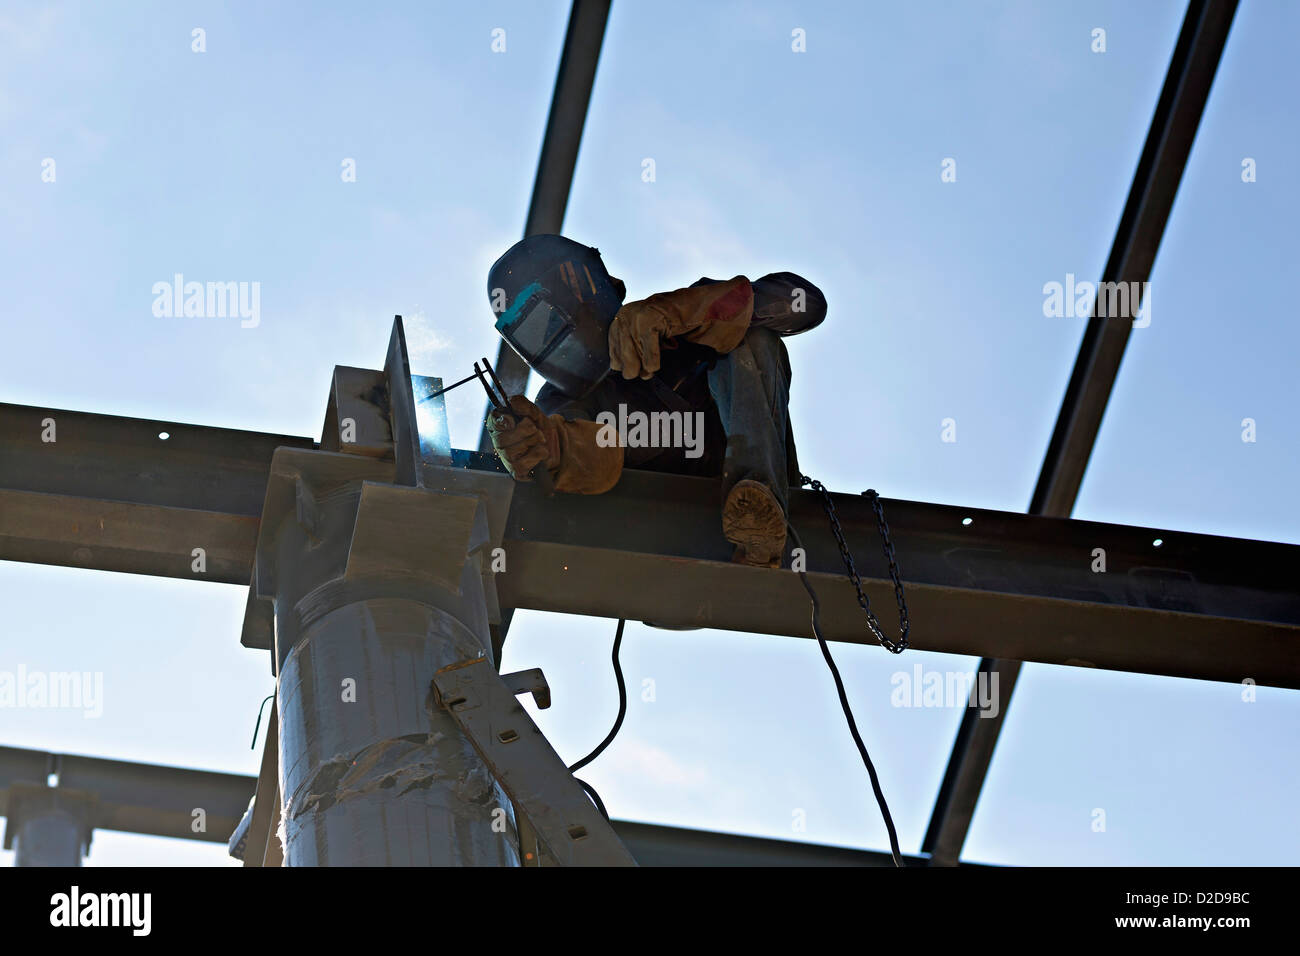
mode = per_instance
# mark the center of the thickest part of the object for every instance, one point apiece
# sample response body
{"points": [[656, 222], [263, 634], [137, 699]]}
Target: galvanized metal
{"points": [[47, 825], [53, 837], [149, 797], [133, 797], [374, 587], [401, 408], [563, 819]]}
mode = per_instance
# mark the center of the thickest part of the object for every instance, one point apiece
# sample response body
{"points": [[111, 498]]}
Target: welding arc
{"points": [[613, 732], [848, 711]]}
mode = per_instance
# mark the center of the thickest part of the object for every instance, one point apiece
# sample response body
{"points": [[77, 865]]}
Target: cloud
{"points": [[695, 239], [651, 766]]}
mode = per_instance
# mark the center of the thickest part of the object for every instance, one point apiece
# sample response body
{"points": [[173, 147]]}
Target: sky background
{"points": [[225, 166]]}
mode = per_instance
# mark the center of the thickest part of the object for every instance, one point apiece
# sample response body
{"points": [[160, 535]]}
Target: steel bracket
{"points": [[567, 824]]}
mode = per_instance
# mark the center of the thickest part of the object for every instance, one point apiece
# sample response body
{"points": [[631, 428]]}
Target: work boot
{"points": [[753, 521]]}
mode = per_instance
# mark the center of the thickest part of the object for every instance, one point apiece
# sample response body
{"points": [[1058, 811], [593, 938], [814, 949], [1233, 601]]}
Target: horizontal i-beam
{"points": [[1005, 585], [136, 797], [107, 492], [159, 801]]}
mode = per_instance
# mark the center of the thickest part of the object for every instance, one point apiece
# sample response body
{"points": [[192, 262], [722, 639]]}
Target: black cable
{"points": [[622, 706], [595, 797], [844, 705], [613, 732], [258, 725]]}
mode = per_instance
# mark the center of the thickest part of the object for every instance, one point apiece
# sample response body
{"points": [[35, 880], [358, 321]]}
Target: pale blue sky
{"points": [[225, 166]]}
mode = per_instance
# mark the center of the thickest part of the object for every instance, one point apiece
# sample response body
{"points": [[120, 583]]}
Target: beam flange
{"points": [[136, 797], [1005, 585], [148, 799]]}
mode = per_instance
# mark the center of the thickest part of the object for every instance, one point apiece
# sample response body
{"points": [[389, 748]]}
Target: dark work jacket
{"points": [[682, 382]]}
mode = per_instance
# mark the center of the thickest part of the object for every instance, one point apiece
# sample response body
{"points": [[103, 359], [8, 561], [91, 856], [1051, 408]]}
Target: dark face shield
{"points": [[536, 327], [560, 335]]}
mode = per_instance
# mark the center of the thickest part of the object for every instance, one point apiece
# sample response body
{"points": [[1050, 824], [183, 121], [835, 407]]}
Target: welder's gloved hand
{"points": [[526, 444], [579, 460], [716, 315]]}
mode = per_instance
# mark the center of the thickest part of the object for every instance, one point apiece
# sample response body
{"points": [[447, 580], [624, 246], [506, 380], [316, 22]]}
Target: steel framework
{"points": [[1007, 587]]}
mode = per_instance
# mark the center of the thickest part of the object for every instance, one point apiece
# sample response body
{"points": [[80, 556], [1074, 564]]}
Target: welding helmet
{"points": [[554, 303]]}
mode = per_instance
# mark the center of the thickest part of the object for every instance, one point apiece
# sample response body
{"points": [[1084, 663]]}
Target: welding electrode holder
{"points": [[539, 473], [499, 399]]}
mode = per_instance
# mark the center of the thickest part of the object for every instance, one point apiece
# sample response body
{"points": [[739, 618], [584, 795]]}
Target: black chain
{"points": [[873, 624]]}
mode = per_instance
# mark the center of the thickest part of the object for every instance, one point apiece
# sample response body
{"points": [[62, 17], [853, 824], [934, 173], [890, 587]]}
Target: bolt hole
{"points": [[967, 521], [164, 435], [1158, 542]]}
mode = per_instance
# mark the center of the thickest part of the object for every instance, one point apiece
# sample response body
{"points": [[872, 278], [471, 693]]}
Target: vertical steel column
{"points": [[47, 827], [51, 838], [375, 588]]}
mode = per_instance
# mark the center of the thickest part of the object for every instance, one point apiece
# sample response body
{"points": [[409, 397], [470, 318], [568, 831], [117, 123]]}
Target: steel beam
{"points": [[654, 845], [1132, 255], [1150, 200], [135, 797], [1008, 586], [573, 84], [143, 798], [102, 491]]}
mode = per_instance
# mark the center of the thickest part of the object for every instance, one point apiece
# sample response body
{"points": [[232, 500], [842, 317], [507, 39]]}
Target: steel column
{"points": [[51, 838], [375, 587], [47, 826]]}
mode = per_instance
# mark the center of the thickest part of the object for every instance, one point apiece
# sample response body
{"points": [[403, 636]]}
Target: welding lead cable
{"points": [[618, 722], [844, 705], [595, 797], [622, 705], [258, 725]]}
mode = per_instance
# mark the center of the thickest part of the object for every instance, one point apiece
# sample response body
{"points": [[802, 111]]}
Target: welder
{"points": [[713, 351]]}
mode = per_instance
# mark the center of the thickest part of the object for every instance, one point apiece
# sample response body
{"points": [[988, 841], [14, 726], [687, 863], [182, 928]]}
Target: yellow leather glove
{"points": [[577, 462], [526, 444], [716, 315]]}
